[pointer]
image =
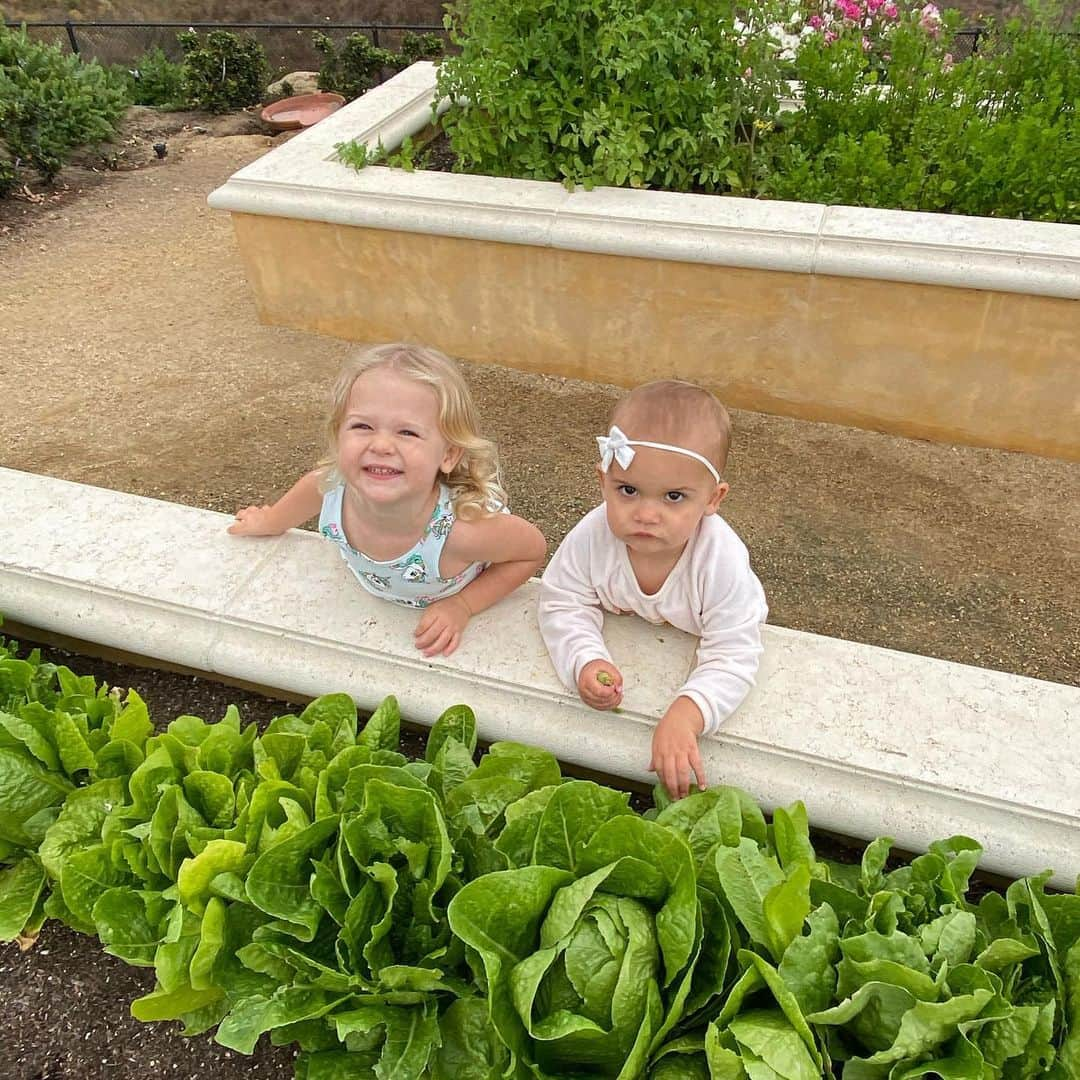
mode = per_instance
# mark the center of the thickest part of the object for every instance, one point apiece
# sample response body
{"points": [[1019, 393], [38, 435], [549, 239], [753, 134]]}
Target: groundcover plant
{"points": [[455, 917]]}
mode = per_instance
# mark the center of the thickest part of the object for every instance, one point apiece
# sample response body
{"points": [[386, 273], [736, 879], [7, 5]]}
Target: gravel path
{"points": [[132, 359]]}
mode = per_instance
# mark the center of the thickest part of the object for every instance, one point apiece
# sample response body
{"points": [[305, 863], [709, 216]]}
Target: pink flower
{"points": [[830, 37], [852, 11], [891, 11], [873, 6], [930, 19], [816, 21]]}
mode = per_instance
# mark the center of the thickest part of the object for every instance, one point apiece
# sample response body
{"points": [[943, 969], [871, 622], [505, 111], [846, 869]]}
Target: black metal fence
{"points": [[289, 46]]}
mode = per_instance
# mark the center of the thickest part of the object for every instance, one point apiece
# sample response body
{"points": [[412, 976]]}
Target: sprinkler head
{"points": [[161, 149]]}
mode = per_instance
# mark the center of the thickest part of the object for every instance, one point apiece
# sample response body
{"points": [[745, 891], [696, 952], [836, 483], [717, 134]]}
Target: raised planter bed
{"points": [[874, 741], [927, 325]]}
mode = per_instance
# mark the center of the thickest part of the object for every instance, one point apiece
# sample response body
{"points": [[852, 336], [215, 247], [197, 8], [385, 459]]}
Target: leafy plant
{"points": [[64, 741], [357, 155], [222, 70], [648, 94], [408, 156], [687, 98], [50, 103], [353, 69]]}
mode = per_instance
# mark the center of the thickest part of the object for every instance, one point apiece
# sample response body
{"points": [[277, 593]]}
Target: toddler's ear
{"points": [[450, 461], [718, 497]]}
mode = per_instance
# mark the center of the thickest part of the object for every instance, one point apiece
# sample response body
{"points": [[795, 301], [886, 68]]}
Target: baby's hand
{"points": [[441, 626], [600, 685], [675, 752], [254, 521]]}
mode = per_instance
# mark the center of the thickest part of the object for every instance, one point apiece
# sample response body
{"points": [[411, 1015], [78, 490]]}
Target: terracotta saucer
{"points": [[300, 110]]}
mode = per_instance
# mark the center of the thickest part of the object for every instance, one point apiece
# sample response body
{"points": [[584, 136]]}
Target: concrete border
{"points": [[304, 180], [873, 741]]}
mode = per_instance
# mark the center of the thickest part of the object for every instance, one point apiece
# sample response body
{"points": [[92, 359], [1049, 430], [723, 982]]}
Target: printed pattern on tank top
{"points": [[412, 579]]}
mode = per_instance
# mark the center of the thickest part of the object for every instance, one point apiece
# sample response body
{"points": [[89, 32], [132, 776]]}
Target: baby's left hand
{"points": [[441, 626], [675, 752]]}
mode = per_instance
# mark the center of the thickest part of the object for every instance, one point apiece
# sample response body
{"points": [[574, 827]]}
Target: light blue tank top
{"points": [[411, 579]]}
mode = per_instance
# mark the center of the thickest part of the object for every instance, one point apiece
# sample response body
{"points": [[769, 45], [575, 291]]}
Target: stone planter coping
{"points": [[303, 179], [873, 741]]}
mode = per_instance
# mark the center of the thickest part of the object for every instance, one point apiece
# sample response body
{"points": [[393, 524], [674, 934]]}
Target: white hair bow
{"points": [[615, 446]]}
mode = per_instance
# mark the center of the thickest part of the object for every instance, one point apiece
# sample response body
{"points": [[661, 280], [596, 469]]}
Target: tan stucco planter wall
{"points": [[955, 329]]}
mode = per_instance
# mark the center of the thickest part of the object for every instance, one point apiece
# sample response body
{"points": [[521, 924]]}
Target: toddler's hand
{"points": [[253, 521], [441, 626], [675, 752], [600, 685]]}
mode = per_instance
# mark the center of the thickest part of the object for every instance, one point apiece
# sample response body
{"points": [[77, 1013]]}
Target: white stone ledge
{"points": [[303, 179], [874, 741]]}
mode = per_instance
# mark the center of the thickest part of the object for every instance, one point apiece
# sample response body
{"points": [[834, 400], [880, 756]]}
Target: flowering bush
{"points": [[689, 97], [889, 118]]}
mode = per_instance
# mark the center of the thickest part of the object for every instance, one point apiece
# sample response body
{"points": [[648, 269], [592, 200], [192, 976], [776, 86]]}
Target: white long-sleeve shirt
{"points": [[711, 592]]}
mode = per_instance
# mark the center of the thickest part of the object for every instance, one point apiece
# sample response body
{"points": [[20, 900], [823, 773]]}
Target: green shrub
{"points": [[608, 92], [50, 103], [8, 177], [156, 80], [222, 71], [419, 47], [996, 134], [353, 69]]}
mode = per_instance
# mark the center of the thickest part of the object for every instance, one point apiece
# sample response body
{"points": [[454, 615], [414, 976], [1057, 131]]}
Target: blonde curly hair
{"points": [[474, 482]]}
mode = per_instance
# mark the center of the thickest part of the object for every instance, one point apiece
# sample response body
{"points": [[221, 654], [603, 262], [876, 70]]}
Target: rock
{"points": [[299, 82]]}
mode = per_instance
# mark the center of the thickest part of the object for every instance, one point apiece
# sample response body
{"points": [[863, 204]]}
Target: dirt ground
{"points": [[132, 358]]}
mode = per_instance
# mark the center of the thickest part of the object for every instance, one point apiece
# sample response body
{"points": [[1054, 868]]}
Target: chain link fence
{"points": [[289, 46]]}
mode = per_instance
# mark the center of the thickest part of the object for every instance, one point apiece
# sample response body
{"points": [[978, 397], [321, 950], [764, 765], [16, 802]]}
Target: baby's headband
{"points": [[615, 446]]}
